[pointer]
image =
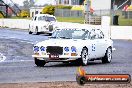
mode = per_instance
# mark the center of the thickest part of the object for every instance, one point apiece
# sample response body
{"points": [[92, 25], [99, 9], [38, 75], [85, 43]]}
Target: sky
{"points": [[38, 2]]}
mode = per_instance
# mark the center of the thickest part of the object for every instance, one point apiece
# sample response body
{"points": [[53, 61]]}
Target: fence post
{"points": [[128, 15]]}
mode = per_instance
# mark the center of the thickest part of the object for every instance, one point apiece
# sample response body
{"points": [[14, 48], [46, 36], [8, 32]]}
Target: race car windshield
{"points": [[70, 34]]}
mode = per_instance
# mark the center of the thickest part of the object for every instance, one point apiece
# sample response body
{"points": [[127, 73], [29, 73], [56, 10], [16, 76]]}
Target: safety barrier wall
{"points": [[15, 23], [121, 32], [116, 32]]}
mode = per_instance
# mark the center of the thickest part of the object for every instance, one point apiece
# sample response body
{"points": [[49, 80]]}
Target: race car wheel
{"points": [[108, 56], [39, 63], [84, 56]]}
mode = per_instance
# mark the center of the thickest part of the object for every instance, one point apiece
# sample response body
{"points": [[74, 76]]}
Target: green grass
{"points": [[14, 17], [122, 21], [125, 22], [71, 19]]}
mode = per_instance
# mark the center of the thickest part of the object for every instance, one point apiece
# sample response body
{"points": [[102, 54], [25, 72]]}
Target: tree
{"points": [[31, 3], [27, 4], [16, 7], [24, 13], [49, 10], [1, 14]]}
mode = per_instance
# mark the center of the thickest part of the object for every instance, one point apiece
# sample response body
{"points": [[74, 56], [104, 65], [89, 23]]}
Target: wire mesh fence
{"points": [[124, 17], [68, 13]]}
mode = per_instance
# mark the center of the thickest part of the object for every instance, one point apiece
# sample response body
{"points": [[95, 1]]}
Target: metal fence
{"points": [[122, 15], [68, 13], [74, 13]]}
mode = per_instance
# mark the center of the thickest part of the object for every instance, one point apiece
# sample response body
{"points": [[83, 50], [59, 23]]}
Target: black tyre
{"points": [[50, 27], [36, 31], [108, 56], [39, 63], [30, 32], [84, 56], [50, 34]]}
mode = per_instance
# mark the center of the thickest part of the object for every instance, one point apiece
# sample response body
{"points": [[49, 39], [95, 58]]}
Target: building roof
{"points": [[36, 7]]}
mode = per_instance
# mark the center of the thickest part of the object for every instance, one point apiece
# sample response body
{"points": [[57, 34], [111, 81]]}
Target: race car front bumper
{"points": [[62, 58]]}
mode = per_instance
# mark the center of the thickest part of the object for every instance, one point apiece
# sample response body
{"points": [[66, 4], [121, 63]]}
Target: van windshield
{"points": [[48, 19]]}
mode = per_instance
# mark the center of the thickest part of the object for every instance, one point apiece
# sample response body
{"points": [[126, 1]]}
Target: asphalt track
{"points": [[18, 66]]}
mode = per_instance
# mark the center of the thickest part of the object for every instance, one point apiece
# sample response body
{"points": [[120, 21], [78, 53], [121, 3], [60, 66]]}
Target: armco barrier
{"points": [[15, 23], [117, 32], [121, 32]]}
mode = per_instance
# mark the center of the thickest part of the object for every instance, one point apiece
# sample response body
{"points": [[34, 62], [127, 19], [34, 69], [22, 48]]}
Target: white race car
{"points": [[67, 45], [42, 23]]}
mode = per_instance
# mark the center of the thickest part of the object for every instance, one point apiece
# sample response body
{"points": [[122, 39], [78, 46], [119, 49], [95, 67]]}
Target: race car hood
{"points": [[60, 42]]}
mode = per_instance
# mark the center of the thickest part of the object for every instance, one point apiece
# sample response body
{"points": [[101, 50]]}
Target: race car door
{"points": [[92, 48], [100, 43]]}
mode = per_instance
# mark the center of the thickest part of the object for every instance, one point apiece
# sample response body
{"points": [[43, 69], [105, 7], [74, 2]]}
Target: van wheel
{"points": [[30, 32], [36, 31]]}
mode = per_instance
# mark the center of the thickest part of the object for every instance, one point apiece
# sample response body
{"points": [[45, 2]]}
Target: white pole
{"points": [[87, 11]]}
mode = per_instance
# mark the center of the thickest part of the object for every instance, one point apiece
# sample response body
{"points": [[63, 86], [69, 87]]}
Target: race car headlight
{"points": [[73, 49], [66, 49], [42, 48], [36, 48]]}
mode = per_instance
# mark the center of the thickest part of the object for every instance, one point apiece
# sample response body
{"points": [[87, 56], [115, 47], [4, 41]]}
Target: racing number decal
{"points": [[93, 47]]}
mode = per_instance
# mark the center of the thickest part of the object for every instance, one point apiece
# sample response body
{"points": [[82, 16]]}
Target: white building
{"points": [[95, 4], [35, 10], [101, 4], [69, 2]]}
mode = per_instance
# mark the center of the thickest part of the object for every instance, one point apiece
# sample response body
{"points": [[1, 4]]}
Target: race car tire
{"points": [[84, 56], [108, 56], [39, 63]]}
